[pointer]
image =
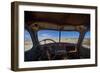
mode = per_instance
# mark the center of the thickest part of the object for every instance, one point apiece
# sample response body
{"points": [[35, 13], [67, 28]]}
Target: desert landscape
{"points": [[86, 42]]}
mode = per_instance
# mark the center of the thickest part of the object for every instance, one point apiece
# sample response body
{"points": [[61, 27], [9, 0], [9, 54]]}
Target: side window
{"points": [[86, 40], [28, 44]]}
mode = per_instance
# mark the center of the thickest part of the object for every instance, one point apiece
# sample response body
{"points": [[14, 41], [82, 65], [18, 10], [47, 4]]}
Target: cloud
{"points": [[44, 36]]}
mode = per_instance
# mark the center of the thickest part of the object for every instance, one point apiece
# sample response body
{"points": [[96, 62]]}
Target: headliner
{"points": [[50, 20]]}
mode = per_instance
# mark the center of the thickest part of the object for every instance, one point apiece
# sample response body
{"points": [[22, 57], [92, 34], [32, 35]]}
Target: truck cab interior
{"points": [[56, 36]]}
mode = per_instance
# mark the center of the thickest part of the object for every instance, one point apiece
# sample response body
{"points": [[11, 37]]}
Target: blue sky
{"points": [[27, 36], [64, 34], [43, 34]]}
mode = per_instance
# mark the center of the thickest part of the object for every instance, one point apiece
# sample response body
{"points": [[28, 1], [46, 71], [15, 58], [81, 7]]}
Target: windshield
{"points": [[69, 36], [48, 34], [58, 36]]}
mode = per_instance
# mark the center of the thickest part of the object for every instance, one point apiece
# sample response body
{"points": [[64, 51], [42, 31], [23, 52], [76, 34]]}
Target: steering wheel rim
{"points": [[47, 39]]}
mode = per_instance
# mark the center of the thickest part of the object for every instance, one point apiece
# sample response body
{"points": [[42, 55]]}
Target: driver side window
{"points": [[28, 44]]}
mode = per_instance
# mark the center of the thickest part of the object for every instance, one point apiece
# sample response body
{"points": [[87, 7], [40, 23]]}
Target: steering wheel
{"points": [[47, 48]]}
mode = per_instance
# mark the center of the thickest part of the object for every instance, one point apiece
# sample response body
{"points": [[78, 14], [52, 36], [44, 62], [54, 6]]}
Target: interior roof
{"points": [[58, 18]]}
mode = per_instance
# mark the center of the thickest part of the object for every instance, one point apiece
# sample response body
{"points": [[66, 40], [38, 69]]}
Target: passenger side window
{"points": [[86, 40]]}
